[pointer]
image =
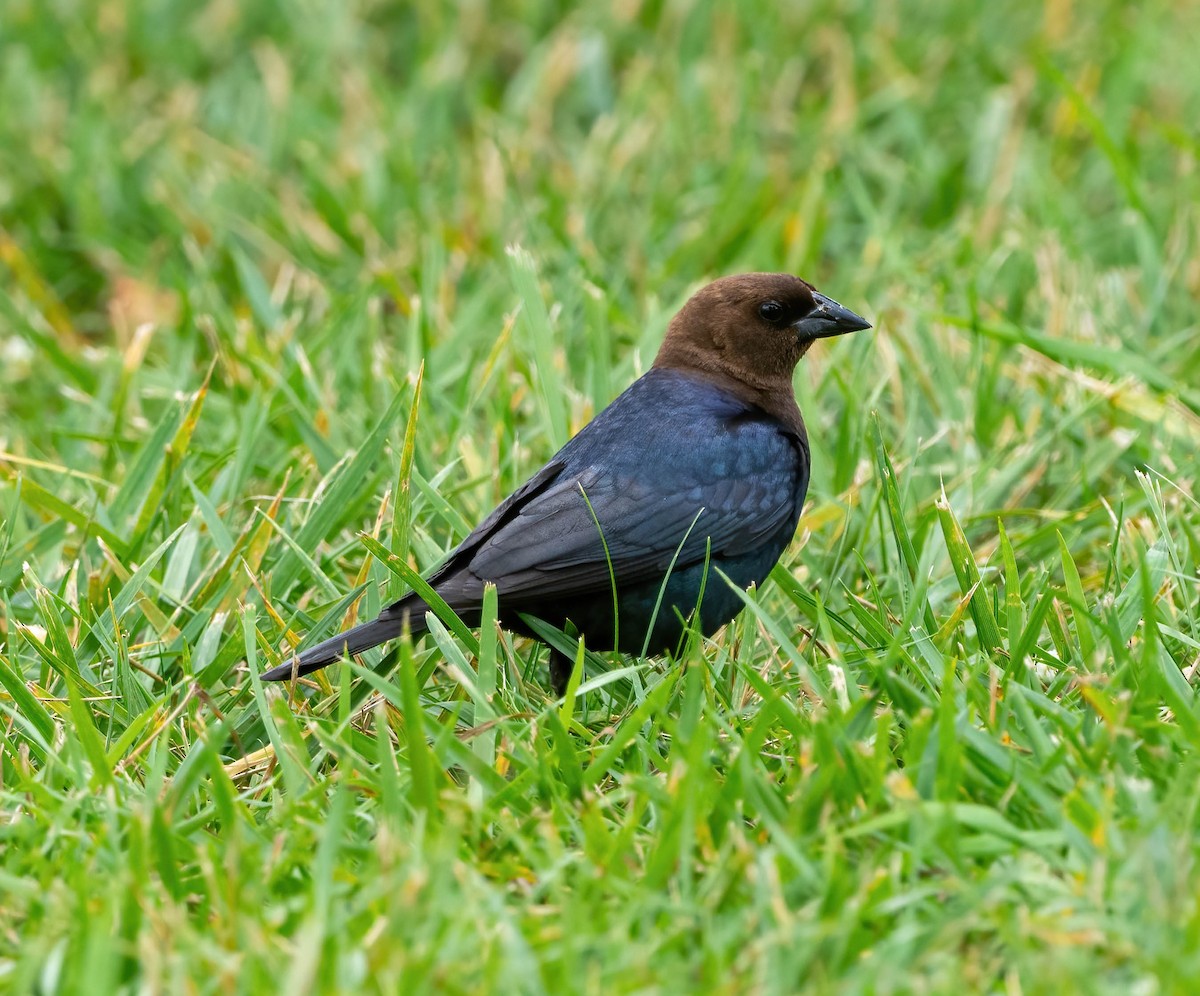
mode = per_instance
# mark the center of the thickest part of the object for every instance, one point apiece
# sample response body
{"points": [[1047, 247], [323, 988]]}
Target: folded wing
{"points": [[586, 528]]}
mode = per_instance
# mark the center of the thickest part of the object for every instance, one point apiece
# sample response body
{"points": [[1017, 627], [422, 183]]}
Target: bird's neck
{"points": [[773, 395]]}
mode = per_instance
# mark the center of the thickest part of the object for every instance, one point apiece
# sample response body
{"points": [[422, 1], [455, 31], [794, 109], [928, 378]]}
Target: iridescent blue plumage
{"points": [[710, 479]]}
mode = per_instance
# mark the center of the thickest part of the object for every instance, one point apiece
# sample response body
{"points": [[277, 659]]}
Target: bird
{"points": [[701, 464]]}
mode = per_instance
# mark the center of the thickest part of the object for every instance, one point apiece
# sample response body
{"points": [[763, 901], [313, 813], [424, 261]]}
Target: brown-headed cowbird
{"points": [[702, 463]]}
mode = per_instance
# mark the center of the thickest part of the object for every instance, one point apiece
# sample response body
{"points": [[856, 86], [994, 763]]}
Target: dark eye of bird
{"points": [[772, 311]]}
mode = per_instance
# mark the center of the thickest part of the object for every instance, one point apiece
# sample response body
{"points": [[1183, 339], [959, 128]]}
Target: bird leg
{"points": [[561, 667]]}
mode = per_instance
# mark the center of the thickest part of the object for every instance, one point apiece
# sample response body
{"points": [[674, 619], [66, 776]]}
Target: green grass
{"points": [[292, 293]]}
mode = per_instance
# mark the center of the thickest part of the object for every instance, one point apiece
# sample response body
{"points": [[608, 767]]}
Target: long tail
{"points": [[386, 626]]}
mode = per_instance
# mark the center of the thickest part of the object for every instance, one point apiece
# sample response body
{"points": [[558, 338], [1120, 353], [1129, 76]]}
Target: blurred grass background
{"points": [[277, 275]]}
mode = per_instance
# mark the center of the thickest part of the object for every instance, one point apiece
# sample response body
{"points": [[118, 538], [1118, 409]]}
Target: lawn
{"points": [[293, 292]]}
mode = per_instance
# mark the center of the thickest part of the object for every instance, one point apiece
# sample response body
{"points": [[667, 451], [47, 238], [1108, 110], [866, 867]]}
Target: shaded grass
{"points": [[264, 328]]}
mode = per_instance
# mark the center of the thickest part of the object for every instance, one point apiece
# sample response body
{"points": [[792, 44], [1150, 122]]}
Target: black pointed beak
{"points": [[829, 318]]}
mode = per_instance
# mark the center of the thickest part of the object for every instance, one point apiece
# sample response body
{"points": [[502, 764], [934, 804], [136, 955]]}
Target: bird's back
{"points": [[674, 474]]}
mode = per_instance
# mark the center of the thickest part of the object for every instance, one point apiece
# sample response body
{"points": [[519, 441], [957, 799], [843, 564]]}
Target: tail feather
{"points": [[386, 626]]}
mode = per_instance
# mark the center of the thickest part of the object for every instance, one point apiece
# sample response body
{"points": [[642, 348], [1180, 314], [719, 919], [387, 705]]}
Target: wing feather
{"points": [[707, 473], [589, 527]]}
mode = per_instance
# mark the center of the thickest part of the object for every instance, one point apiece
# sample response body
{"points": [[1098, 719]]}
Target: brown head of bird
{"points": [[749, 331]]}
